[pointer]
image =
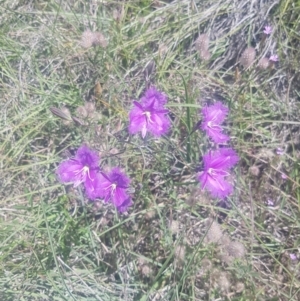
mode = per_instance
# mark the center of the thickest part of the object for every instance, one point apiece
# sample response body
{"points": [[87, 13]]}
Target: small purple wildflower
{"points": [[216, 166], [293, 256], [213, 116], [149, 115], [279, 151], [284, 176], [113, 188], [80, 169], [274, 58], [268, 30], [270, 202]]}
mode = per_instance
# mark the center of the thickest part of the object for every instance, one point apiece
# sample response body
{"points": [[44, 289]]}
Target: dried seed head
{"points": [[150, 215], [225, 240], [81, 112], [224, 282], [86, 39], [146, 270], [236, 249], [202, 43], [89, 39], [205, 55], [239, 287], [214, 233], [99, 39], [206, 266], [254, 170], [89, 107], [98, 89], [227, 259], [174, 227], [248, 57], [263, 63]]}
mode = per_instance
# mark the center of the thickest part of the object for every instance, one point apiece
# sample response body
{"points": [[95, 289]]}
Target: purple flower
{"points": [[113, 188], [213, 116], [284, 176], [80, 169], [274, 58], [154, 95], [149, 115], [268, 30], [293, 256], [279, 151], [216, 166], [270, 203]]}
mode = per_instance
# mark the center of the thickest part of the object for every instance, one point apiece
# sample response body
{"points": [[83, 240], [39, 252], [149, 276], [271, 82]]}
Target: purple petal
{"points": [[92, 185], [217, 186], [154, 96], [113, 185], [124, 206], [119, 196], [68, 171], [160, 125], [119, 177], [104, 187], [137, 120], [222, 159], [215, 133], [215, 113], [87, 157], [231, 156]]}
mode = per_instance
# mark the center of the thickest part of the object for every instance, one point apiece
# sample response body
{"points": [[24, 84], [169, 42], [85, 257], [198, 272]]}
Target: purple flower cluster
{"points": [[149, 115], [84, 169], [218, 163]]}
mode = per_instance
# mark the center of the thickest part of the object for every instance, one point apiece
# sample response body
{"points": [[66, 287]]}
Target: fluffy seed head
{"points": [[89, 107], [236, 249], [202, 43], [81, 112], [214, 233], [224, 282], [99, 39], [146, 270], [206, 265], [239, 287], [225, 240], [254, 170], [205, 55], [263, 63], [89, 39], [174, 227], [248, 57]]}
